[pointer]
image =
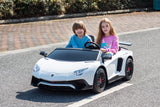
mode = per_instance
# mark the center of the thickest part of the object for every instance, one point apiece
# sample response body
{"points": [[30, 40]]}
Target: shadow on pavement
{"points": [[41, 95]]}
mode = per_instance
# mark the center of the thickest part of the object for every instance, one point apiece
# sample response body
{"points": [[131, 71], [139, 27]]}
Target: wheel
{"points": [[128, 69], [99, 81]]}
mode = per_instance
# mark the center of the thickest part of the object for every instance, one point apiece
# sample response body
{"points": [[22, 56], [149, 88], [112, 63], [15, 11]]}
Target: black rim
{"points": [[129, 70], [101, 80]]}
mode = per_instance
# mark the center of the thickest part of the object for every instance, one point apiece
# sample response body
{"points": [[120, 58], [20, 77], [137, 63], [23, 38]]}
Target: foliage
{"points": [[144, 3], [32, 8], [6, 9], [106, 5], [81, 6]]}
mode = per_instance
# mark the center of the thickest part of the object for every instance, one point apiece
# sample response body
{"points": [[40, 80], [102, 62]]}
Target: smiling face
{"points": [[79, 32], [79, 29], [105, 28]]}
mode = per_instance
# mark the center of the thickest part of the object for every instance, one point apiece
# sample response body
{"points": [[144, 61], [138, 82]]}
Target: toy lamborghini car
{"points": [[80, 69]]}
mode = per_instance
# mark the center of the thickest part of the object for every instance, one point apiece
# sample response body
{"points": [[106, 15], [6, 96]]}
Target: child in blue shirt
{"points": [[79, 38]]}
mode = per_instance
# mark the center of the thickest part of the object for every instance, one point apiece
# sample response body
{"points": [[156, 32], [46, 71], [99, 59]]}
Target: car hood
{"points": [[54, 66]]}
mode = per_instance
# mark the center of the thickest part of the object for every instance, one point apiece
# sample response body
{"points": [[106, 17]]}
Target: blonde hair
{"points": [[101, 33], [79, 25]]}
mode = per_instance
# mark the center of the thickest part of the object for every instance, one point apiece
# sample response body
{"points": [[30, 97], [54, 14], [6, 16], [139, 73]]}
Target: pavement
{"points": [[32, 34]]}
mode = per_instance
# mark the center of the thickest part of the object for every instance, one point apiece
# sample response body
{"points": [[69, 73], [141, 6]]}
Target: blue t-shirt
{"points": [[75, 42]]}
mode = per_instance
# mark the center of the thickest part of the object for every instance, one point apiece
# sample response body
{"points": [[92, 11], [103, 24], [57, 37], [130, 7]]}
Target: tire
{"points": [[99, 81], [128, 69]]}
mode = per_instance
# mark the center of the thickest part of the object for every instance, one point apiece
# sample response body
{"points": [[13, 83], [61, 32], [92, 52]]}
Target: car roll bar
{"points": [[125, 43]]}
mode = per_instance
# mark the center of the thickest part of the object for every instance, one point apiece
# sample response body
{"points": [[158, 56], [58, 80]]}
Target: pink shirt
{"points": [[110, 43]]}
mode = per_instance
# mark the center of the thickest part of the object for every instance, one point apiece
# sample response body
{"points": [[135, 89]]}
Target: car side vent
{"points": [[119, 65]]}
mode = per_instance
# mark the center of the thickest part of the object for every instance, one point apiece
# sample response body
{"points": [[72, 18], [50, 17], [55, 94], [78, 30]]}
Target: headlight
{"points": [[80, 72], [36, 68]]}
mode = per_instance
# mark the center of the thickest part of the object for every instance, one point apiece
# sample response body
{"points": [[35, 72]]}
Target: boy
{"points": [[79, 38]]}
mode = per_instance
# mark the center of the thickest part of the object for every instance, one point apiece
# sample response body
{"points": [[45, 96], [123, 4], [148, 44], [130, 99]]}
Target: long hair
{"points": [[79, 25], [101, 33]]}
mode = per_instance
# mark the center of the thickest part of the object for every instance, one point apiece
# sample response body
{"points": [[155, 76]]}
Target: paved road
{"points": [[16, 69], [25, 35]]}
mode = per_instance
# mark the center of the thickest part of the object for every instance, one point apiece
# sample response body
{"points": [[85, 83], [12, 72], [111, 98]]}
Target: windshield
{"points": [[73, 55]]}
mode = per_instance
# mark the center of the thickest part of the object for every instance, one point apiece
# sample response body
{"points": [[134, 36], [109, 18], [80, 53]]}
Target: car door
{"points": [[111, 67]]}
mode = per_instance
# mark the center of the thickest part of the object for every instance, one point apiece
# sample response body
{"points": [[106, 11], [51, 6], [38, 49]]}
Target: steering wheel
{"points": [[92, 45]]}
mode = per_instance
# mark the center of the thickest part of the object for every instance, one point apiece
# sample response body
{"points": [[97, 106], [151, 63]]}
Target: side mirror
{"points": [[43, 53], [106, 57]]}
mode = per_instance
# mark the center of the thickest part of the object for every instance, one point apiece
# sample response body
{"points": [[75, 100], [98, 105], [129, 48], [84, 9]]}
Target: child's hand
{"points": [[103, 50]]}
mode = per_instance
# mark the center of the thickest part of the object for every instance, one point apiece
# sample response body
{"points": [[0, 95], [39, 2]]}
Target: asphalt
{"points": [[32, 34]]}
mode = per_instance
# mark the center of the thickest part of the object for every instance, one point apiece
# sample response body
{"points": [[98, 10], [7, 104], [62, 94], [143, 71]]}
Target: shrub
{"points": [[76, 6], [55, 7], [27, 8], [92, 6], [6, 10], [144, 3], [107, 5], [81, 6], [31, 8]]}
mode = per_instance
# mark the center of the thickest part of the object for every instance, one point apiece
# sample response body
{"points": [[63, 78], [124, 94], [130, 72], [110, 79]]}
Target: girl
{"points": [[107, 38], [79, 38]]}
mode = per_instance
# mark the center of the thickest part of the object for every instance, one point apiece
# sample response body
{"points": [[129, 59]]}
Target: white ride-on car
{"points": [[80, 69]]}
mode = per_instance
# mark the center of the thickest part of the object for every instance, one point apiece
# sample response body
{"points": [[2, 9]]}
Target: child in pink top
{"points": [[107, 38]]}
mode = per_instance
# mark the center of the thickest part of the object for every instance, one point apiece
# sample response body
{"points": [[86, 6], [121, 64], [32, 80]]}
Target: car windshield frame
{"points": [[74, 54]]}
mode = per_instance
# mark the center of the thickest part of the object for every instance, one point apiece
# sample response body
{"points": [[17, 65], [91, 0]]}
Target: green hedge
{"points": [[144, 3], [81, 6], [31, 8]]}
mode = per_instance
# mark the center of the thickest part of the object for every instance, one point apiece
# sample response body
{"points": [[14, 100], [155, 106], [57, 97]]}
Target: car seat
{"points": [[92, 37]]}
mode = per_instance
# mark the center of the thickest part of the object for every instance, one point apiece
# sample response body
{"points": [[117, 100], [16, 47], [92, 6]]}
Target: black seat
{"points": [[92, 37]]}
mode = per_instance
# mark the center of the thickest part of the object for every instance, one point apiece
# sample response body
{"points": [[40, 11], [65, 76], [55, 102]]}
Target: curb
{"points": [[43, 18]]}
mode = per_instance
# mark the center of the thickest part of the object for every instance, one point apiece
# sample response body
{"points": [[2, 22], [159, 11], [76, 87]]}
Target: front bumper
{"points": [[71, 85]]}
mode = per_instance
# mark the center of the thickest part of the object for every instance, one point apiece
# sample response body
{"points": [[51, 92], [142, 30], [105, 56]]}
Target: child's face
{"points": [[105, 27], [79, 32]]}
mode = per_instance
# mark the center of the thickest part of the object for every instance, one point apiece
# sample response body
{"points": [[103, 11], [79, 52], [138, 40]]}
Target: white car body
{"points": [[53, 73]]}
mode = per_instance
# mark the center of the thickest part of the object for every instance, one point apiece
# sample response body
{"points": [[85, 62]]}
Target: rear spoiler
{"points": [[125, 43]]}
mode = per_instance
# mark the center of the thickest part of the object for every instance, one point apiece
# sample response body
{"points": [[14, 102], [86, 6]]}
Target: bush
{"points": [[107, 5], [55, 7], [77, 6], [81, 6], [21, 8], [144, 3], [31, 8], [6, 10]]}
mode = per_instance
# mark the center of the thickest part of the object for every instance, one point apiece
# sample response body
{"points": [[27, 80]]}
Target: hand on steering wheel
{"points": [[92, 45]]}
